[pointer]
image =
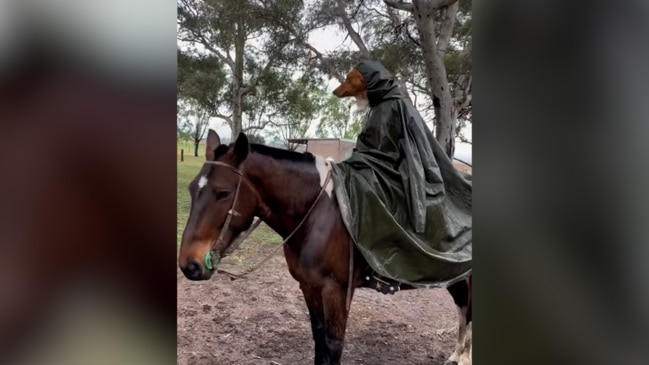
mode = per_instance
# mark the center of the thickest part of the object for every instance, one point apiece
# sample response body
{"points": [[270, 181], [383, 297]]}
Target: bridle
{"points": [[212, 258]]}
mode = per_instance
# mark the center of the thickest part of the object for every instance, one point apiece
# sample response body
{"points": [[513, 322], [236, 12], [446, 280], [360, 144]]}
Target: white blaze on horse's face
{"points": [[202, 182], [323, 166]]}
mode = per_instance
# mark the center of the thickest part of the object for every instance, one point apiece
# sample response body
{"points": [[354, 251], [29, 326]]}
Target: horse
{"points": [[293, 194]]}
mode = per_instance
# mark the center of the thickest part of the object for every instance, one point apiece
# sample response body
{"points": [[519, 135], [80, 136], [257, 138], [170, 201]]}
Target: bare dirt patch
{"points": [[263, 320]]}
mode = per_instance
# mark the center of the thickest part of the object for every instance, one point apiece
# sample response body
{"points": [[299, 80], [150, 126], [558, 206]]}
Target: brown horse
{"points": [[285, 190]]}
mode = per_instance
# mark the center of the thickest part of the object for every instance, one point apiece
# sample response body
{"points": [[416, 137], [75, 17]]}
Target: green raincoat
{"points": [[407, 208]]}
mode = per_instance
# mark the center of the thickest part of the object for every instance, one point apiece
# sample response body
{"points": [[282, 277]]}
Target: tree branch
{"points": [[255, 127], [412, 39], [356, 38], [330, 69], [230, 60], [261, 125], [463, 139], [247, 89], [277, 18], [378, 13], [392, 15], [446, 30], [399, 4], [227, 118], [438, 4], [201, 39]]}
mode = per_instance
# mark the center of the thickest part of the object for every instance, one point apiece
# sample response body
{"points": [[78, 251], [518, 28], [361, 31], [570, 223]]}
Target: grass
{"points": [[186, 171]]}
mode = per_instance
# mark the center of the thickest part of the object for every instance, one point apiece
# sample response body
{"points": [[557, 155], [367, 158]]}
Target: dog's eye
{"points": [[222, 195]]}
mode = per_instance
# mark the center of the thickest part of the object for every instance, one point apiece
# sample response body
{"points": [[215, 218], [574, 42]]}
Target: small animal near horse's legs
{"points": [[461, 293]]}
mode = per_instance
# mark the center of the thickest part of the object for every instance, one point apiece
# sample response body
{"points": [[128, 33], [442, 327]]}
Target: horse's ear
{"points": [[213, 141], [241, 147]]}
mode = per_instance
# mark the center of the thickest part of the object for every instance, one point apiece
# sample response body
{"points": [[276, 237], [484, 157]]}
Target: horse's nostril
{"points": [[192, 271]]}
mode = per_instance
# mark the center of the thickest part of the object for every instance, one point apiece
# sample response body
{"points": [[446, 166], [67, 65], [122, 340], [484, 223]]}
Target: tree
{"points": [[183, 130], [240, 44], [296, 110], [435, 22], [183, 124], [201, 81], [195, 121]]}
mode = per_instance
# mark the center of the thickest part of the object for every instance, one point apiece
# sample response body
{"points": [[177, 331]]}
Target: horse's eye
{"points": [[221, 195]]}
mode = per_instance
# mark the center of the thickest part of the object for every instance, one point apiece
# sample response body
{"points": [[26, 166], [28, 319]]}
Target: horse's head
{"points": [[223, 204]]}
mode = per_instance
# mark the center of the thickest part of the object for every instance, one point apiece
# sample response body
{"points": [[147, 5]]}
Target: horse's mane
{"points": [[272, 152], [282, 154]]}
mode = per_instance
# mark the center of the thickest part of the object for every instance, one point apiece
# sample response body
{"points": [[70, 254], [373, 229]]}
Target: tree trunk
{"points": [[237, 80], [423, 12], [196, 143]]}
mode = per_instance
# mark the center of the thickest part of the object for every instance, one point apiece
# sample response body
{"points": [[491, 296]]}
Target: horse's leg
{"points": [[461, 293], [334, 298], [313, 300]]}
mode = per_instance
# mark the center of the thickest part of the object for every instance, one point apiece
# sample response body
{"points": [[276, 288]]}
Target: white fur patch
{"points": [[202, 182], [324, 166], [361, 102]]}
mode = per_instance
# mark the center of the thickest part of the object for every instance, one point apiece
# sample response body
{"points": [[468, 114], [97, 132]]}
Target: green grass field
{"points": [[187, 170]]}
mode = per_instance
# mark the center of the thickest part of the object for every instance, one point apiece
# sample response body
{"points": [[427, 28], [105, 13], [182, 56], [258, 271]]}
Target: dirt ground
{"points": [[263, 320]]}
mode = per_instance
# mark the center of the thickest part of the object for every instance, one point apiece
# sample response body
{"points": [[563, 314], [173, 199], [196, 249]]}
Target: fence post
{"points": [[182, 155]]}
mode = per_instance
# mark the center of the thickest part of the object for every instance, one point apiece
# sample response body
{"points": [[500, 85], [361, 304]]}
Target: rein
{"points": [[212, 257]]}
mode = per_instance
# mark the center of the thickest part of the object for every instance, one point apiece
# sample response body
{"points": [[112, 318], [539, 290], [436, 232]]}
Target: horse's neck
{"points": [[288, 190]]}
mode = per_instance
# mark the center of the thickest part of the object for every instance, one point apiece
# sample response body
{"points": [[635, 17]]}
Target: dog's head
{"points": [[355, 86]]}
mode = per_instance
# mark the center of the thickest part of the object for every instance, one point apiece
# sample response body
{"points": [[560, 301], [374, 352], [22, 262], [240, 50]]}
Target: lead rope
{"points": [[234, 276], [243, 238]]}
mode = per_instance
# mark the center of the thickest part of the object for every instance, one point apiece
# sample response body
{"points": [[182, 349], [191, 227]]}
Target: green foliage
{"points": [[201, 79], [183, 132], [337, 120], [281, 72], [183, 123], [230, 44], [296, 109]]}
